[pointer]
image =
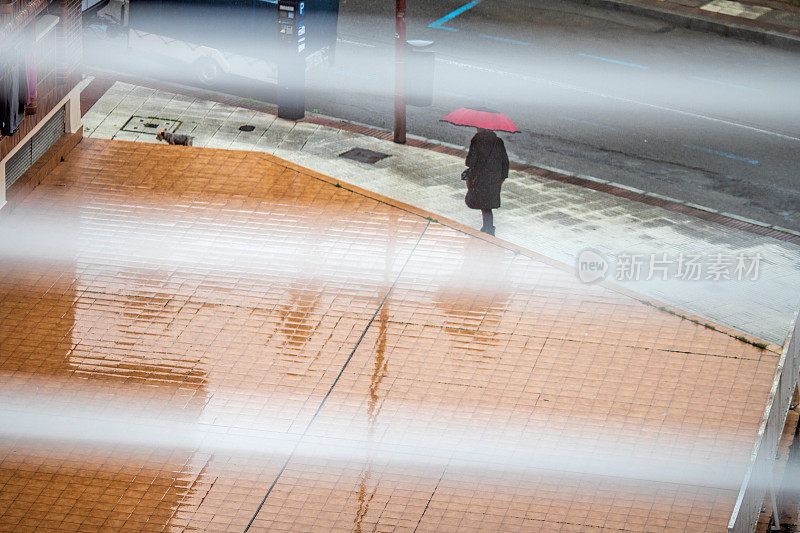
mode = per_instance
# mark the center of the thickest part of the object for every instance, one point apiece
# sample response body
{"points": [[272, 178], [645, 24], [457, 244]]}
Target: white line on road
{"points": [[356, 43], [618, 98]]}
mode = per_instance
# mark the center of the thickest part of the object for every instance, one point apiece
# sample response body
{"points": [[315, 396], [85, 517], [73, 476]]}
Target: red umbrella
{"points": [[481, 118]]}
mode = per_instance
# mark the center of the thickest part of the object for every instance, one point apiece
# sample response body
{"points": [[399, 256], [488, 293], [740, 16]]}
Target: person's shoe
{"points": [[489, 230]]}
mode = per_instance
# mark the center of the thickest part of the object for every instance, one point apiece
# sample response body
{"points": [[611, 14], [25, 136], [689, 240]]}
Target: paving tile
{"points": [[433, 377], [107, 298]]}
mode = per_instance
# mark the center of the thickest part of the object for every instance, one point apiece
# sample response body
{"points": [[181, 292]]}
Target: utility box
{"points": [[420, 69]]}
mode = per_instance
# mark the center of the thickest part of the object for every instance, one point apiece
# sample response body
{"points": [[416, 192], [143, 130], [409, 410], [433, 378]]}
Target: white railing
{"points": [[758, 478]]}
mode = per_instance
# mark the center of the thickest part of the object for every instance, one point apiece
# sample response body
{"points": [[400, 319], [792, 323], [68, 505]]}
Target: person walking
{"points": [[487, 160], [487, 163]]}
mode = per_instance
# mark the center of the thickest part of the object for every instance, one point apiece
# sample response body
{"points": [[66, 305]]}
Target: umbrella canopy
{"points": [[481, 118]]}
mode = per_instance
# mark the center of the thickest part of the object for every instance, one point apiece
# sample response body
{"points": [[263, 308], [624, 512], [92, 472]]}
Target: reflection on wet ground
{"points": [[474, 306], [207, 339]]}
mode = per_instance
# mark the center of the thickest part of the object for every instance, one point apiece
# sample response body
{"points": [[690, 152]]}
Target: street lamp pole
{"points": [[399, 72]]}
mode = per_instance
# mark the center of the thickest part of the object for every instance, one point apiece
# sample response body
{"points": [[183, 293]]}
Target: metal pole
{"points": [[776, 526], [399, 72], [126, 12]]}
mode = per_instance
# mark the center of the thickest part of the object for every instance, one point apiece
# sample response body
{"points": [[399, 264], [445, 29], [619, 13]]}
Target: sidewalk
{"points": [[766, 21], [557, 219]]}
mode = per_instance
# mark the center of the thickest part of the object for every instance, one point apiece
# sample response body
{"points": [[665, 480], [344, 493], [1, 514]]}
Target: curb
{"points": [[726, 25], [589, 182], [674, 204]]}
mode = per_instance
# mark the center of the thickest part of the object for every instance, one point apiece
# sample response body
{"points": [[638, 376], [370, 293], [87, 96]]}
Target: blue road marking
{"points": [[625, 63], [723, 154], [452, 15], [725, 83], [589, 123], [513, 41]]}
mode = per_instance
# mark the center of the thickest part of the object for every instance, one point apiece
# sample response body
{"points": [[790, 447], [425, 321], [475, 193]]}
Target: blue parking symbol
{"points": [[302, 7]]}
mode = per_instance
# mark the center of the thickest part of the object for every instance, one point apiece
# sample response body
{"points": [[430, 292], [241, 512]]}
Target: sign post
{"points": [[291, 60], [399, 72]]}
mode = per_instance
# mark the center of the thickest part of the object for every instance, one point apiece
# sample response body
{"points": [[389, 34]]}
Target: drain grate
{"points": [[363, 155], [247, 127], [153, 125]]}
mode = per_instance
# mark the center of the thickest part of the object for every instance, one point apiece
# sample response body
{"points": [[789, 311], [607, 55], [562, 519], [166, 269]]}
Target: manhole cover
{"points": [[247, 127], [363, 155], [152, 125]]}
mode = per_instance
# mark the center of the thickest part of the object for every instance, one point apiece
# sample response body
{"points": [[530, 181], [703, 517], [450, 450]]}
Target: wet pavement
{"points": [[557, 220], [194, 338]]}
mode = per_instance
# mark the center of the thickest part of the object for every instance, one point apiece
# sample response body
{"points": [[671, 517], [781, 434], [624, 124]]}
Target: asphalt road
{"points": [[691, 115]]}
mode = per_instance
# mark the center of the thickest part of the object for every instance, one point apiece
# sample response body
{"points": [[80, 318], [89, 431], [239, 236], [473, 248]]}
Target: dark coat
{"points": [[488, 168]]}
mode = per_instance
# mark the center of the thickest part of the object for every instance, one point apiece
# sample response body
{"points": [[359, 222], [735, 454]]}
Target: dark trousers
{"points": [[488, 221]]}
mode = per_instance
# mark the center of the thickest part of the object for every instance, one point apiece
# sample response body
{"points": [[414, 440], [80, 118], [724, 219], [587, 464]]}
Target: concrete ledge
{"points": [[71, 103], [34, 176]]}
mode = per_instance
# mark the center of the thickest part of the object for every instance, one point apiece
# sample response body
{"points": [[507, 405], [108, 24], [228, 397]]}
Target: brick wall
{"points": [[58, 58], [70, 42]]}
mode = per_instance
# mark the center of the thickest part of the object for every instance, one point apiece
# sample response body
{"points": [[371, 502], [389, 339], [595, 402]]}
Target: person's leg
{"points": [[487, 218], [488, 221]]}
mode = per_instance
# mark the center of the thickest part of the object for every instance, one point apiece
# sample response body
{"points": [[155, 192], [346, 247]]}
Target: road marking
{"points": [[723, 154], [589, 123], [356, 43], [503, 39], [618, 98], [725, 83], [607, 60], [452, 15], [735, 9]]}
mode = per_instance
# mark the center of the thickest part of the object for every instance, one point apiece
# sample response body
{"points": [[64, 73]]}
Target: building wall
{"points": [[58, 61]]}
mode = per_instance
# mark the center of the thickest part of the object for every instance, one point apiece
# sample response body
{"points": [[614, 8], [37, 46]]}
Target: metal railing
{"points": [[758, 478]]}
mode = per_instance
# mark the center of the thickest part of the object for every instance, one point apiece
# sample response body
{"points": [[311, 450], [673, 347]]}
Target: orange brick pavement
{"points": [[340, 364]]}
